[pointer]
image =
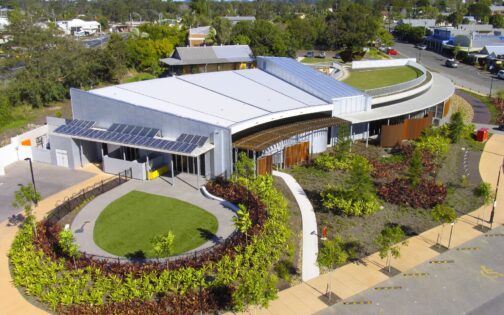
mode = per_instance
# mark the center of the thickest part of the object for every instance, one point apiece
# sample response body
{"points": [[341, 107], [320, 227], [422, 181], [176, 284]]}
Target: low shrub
{"points": [[426, 194], [484, 190], [336, 199], [329, 162]]}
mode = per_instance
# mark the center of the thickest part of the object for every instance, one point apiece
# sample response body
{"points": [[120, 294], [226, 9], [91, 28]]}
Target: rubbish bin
{"points": [[482, 135]]}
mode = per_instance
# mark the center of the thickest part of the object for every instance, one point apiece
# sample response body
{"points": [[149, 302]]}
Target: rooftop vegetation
{"points": [[367, 79]]}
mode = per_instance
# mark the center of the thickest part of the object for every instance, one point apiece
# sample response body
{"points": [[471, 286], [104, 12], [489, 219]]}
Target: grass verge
{"points": [[127, 226]]}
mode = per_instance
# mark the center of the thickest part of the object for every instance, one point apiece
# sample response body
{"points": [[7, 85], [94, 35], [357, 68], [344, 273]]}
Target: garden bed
{"points": [[364, 230]]}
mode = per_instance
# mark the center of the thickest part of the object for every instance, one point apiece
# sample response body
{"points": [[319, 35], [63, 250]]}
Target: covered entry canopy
{"points": [[265, 138]]}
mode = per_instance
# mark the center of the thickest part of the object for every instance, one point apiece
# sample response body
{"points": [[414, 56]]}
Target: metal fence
{"points": [[392, 89], [70, 203]]}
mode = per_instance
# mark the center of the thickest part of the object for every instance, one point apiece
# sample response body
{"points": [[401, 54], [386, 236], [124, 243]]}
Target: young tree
{"points": [[242, 221], [484, 190], [415, 170], [360, 182], [331, 255], [162, 245], [455, 127], [244, 167], [342, 147], [24, 199], [443, 214], [66, 242], [387, 240]]}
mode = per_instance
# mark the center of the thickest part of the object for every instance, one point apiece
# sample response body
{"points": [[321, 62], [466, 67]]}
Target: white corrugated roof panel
{"points": [[238, 87]]}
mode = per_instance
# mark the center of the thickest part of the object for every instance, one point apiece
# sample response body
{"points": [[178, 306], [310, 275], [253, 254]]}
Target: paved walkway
{"points": [[84, 222], [309, 268], [12, 302], [310, 297], [481, 112]]}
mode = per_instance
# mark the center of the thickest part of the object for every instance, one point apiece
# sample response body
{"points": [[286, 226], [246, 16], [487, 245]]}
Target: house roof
{"points": [[209, 55], [496, 50], [239, 18], [419, 22], [203, 30], [237, 99]]}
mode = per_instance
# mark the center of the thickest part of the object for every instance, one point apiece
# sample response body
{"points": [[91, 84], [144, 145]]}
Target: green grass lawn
{"points": [[376, 78], [127, 225], [317, 60]]}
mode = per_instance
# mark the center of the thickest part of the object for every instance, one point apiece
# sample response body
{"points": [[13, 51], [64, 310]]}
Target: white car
{"points": [[500, 74]]}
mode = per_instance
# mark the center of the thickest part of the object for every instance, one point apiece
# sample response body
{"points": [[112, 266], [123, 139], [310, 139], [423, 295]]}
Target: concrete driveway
{"points": [[49, 180]]}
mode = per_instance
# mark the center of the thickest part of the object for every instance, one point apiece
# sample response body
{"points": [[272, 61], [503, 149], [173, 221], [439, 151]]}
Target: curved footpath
{"points": [[307, 297], [84, 223], [309, 268]]}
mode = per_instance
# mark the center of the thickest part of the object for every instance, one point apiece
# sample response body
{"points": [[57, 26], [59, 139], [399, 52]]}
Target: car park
{"points": [[310, 54], [451, 63]]}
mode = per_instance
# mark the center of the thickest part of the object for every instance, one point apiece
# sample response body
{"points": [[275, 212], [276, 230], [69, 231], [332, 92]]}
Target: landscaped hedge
{"points": [[234, 275]]}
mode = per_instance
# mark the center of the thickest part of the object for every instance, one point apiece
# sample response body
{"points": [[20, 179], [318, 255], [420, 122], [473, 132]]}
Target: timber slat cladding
{"points": [[446, 109], [267, 137], [410, 129], [265, 165], [296, 154]]}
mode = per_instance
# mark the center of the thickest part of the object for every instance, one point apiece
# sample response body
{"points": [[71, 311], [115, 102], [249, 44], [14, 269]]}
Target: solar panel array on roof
{"points": [[82, 123], [192, 139], [306, 78], [134, 130], [126, 139]]}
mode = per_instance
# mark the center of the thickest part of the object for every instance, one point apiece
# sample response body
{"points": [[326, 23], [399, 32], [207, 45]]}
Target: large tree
{"points": [[479, 10], [352, 28]]}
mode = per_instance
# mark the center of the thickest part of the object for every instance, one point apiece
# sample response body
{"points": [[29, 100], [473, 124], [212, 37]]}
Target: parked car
{"points": [[322, 54], [383, 49], [310, 54], [421, 46], [501, 127], [500, 74], [451, 63], [392, 52]]}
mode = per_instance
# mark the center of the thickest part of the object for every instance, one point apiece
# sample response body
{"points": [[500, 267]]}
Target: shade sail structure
{"points": [[265, 138]]}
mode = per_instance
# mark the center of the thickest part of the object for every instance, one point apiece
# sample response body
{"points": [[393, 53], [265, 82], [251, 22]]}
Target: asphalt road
{"points": [[465, 281], [464, 75]]}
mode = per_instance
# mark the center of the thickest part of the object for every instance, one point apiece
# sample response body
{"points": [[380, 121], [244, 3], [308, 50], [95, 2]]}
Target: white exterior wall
{"points": [[352, 104]]}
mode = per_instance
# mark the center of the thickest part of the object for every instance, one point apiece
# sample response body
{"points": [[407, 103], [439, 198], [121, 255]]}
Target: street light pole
{"points": [[33, 177], [492, 214], [491, 86], [451, 232]]}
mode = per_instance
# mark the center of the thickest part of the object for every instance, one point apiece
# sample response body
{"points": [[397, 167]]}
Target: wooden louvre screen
{"points": [[265, 165], [296, 154], [446, 108], [408, 130]]}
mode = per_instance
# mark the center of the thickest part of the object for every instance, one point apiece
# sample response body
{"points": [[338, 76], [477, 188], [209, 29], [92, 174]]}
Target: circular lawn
{"points": [[127, 225]]}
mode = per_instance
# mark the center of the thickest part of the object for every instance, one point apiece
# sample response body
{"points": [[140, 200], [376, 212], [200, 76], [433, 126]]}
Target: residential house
{"points": [[209, 59]]}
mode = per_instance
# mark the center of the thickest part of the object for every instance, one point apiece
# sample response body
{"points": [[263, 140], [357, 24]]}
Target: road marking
{"points": [[357, 303], [417, 274], [494, 235], [441, 261], [388, 288], [489, 273], [467, 248]]}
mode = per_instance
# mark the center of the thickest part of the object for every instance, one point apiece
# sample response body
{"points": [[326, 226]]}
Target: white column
{"points": [[255, 163], [80, 149], [172, 172], [197, 170]]}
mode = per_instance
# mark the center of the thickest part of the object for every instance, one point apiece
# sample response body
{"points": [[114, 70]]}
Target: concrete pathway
{"points": [[310, 297], [481, 112], [309, 268], [84, 222]]}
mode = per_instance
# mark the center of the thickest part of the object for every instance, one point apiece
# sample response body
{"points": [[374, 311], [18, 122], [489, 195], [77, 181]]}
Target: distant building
{"points": [[3, 22], [198, 35], [493, 51], [236, 19], [497, 9], [419, 22], [79, 27], [187, 60]]}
